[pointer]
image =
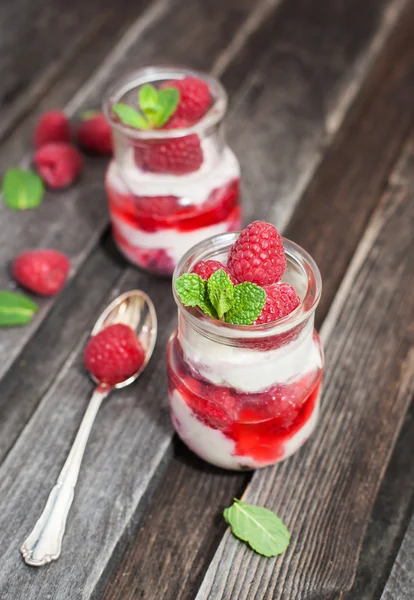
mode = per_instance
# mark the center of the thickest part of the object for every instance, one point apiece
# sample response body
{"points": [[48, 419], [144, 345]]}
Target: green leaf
{"points": [[259, 527], [130, 116], [220, 292], [191, 289], [168, 99], [148, 103], [249, 300], [16, 309], [22, 189]]}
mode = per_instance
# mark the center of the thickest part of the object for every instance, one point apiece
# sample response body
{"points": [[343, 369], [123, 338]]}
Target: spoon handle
{"points": [[44, 542]]}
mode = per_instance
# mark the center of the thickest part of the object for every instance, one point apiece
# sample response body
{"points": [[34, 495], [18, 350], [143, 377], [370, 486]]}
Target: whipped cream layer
{"points": [[216, 170], [216, 448], [175, 243], [250, 369]]}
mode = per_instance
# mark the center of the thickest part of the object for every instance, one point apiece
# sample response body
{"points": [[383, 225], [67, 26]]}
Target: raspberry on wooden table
{"points": [[258, 255], [281, 300], [94, 135], [53, 126], [206, 268], [195, 98], [58, 164], [114, 354], [41, 271]]}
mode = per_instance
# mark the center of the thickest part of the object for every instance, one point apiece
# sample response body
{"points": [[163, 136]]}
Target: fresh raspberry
{"points": [[114, 354], [41, 271], [177, 156], [205, 269], [258, 255], [94, 135], [195, 98], [281, 300], [53, 126], [58, 164]]}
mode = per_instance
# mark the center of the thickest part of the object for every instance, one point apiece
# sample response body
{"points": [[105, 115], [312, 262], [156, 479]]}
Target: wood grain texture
{"points": [[389, 519], [39, 40], [294, 101], [167, 35], [400, 585], [325, 493], [127, 445], [385, 102]]}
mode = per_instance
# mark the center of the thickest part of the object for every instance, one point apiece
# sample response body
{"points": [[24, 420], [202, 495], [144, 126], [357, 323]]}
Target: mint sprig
{"points": [[238, 304], [265, 533], [156, 107]]}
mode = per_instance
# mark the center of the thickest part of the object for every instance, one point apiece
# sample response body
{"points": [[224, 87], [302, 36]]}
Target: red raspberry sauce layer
{"points": [[259, 424]]}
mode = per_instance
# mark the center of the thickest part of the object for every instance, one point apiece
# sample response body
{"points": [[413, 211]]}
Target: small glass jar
{"points": [[157, 213], [245, 397]]}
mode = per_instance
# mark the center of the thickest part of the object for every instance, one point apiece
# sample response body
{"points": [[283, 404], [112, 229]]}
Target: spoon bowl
{"points": [[135, 309]]}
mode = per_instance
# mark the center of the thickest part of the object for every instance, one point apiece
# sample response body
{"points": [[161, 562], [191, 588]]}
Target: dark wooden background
{"points": [[321, 117]]}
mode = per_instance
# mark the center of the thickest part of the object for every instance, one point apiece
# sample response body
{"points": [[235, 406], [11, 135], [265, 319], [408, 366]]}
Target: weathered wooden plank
{"points": [[294, 101], [400, 585], [325, 493], [166, 34], [126, 447], [38, 41], [380, 108], [389, 519]]}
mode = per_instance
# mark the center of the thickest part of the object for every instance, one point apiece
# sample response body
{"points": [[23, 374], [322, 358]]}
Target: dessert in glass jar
{"points": [[245, 362], [173, 181]]}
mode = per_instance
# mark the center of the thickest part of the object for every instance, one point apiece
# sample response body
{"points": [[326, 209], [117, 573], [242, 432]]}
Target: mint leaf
{"points": [[130, 116], [220, 292], [168, 99], [22, 189], [16, 309], [148, 103], [249, 300], [259, 527], [191, 289]]}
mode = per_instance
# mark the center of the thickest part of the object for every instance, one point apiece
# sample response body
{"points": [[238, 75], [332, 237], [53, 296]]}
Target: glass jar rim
{"points": [[211, 327], [152, 74]]}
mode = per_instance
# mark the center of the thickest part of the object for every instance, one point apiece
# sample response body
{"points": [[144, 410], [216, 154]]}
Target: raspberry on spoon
{"points": [[114, 354], [94, 135], [258, 255]]}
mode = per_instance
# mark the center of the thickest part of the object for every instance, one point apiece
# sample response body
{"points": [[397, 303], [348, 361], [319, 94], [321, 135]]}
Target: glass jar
{"points": [[245, 397], [157, 213]]}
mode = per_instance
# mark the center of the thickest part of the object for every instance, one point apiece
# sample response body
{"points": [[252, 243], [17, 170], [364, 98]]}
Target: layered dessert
{"points": [[245, 363], [173, 180]]}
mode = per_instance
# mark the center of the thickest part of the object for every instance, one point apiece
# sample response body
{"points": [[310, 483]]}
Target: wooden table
{"points": [[321, 117]]}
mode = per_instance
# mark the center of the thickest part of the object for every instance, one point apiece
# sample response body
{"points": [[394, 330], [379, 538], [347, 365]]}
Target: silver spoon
{"points": [[45, 541]]}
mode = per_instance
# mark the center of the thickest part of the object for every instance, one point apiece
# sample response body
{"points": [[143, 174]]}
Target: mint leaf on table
{"points": [[22, 189], [249, 300], [220, 292], [16, 309], [265, 533], [129, 116]]}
